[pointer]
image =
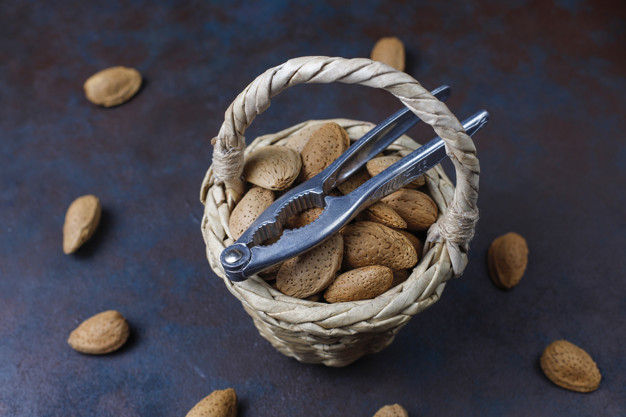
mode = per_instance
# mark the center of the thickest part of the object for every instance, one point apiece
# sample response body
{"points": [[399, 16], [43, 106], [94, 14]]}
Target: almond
{"points": [[312, 271], [325, 145], [220, 403], [100, 334], [416, 208], [390, 51], [359, 284], [299, 139], [272, 167], [507, 260], [417, 244], [112, 86], [304, 218], [354, 181], [400, 276], [368, 243], [382, 213], [570, 367], [395, 410], [81, 221], [377, 165], [253, 203]]}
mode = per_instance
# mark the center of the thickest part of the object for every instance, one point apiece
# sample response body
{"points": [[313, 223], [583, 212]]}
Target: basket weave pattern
{"points": [[338, 334]]}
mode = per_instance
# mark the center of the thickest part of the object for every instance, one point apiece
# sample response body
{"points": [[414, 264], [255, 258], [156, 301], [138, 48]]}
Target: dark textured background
{"points": [[552, 74]]}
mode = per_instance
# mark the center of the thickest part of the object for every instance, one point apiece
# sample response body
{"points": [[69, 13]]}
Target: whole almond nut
{"points": [[390, 51], [507, 260], [220, 403], [354, 181], [304, 218], [298, 140], [359, 284], [253, 203], [325, 145], [112, 86], [417, 244], [395, 410], [377, 165], [570, 367], [103, 333], [312, 271], [415, 207], [81, 221], [368, 243], [382, 213], [272, 167], [400, 276]]}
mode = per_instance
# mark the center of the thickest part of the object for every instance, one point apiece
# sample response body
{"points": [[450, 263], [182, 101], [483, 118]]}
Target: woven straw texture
{"points": [[338, 334]]}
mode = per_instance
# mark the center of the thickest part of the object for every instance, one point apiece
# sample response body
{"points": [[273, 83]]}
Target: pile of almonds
{"points": [[369, 255]]}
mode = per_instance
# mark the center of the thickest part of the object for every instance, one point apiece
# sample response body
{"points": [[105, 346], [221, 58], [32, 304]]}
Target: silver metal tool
{"points": [[248, 255]]}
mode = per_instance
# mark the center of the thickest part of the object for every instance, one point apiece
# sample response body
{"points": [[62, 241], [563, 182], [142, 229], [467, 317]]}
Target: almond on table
{"points": [[507, 260], [112, 86], [103, 333], [570, 367], [220, 403], [390, 51], [81, 221]]}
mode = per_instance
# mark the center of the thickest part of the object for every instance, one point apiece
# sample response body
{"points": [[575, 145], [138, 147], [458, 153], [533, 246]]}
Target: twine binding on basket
{"points": [[339, 334]]}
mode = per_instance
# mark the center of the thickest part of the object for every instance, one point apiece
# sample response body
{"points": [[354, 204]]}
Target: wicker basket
{"points": [[338, 334]]}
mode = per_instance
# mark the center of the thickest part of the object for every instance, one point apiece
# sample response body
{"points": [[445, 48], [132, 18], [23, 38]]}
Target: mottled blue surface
{"points": [[552, 75]]}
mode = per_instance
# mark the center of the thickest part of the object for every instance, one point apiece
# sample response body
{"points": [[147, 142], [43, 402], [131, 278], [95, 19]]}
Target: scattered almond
{"points": [[253, 203], [415, 207], [112, 86], [395, 410], [368, 243], [377, 165], [81, 221], [272, 167], [303, 218], [220, 403], [382, 213], [359, 284], [103, 333], [325, 145], [570, 367], [507, 260], [312, 271], [390, 51]]}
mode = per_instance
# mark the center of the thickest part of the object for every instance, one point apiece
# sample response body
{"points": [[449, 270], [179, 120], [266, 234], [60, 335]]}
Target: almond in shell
{"points": [[325, 145], [273, 167], [359, 284], [112, 86], [395, 410], [103, 333], [368, 243], [390, 51], [220, 403], [253, 203], [377, 165], [507, 260], [415, 207], [383, 213], [570, 367], [312, 271], [81, 221]]}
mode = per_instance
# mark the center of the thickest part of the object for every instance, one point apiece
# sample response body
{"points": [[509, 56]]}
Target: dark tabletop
{"points": [[552, 75]]}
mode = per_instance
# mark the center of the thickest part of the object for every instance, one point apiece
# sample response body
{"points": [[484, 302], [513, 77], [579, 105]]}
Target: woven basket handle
{"points": [[456, 227]]}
